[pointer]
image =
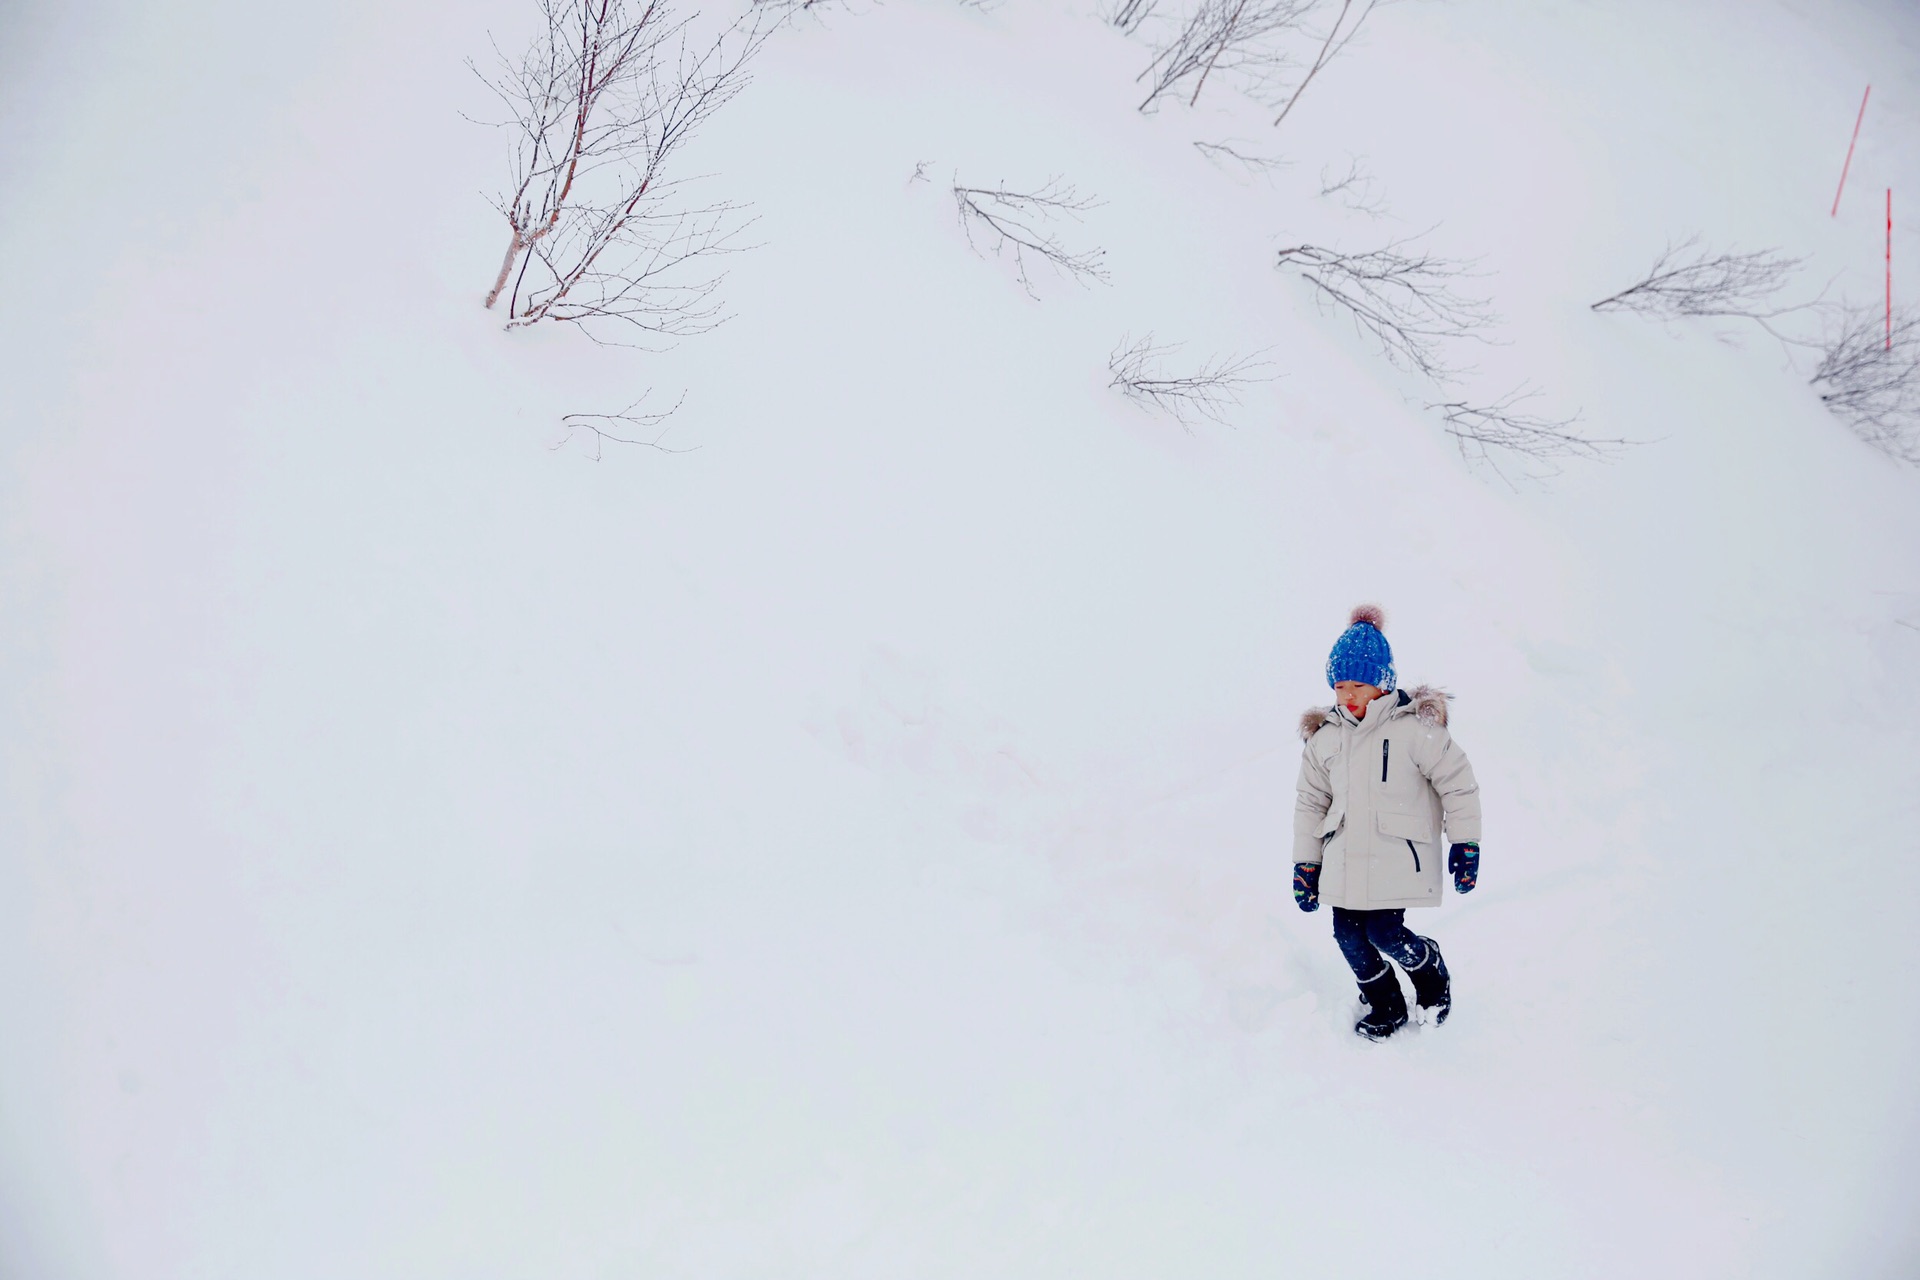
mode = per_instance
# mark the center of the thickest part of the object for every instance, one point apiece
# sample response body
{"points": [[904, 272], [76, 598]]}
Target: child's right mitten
{"points": [[1306, 885], [1464, 861]]}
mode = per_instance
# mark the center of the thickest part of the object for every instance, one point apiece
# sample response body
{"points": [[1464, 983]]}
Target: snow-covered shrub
{"points": [[1689, 281], [1403, 296], [1503, 429], [1243, 40], [1234, 37], [1870, 378]]}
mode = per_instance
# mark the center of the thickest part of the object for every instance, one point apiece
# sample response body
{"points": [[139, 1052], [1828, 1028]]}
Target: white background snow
{"points": [[859, 847]]}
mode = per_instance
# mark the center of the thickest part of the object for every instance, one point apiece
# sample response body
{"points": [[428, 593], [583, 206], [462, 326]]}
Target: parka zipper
{"points": [[1384, 744], [1416, 855]]}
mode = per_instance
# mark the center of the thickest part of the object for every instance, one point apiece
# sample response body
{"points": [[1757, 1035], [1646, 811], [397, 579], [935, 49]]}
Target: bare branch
{"points": [[1483, 431], [1405, 300], [1219, 154], [1234, 37], [1139, 374], [1127, 15], [1339, 35], [1018, 221], [1871, 380], [1357, 190], [624, 427]]}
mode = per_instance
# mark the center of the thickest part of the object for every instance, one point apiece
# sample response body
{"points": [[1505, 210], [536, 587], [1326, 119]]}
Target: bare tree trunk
{"points": [[506, 268]]}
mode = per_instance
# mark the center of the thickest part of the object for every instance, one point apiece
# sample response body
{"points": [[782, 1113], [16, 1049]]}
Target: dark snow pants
{"points": [[1365, 935]]}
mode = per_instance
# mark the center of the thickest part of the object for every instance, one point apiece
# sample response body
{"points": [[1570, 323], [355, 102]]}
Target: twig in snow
{"points": [[1356, 190], [624, 427], [1217, 153], [1139, 374], [1018, 221]]}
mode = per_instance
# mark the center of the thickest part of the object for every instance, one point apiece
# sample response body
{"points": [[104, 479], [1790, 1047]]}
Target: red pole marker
{"points": [[1856, 138], [1889, 268]]}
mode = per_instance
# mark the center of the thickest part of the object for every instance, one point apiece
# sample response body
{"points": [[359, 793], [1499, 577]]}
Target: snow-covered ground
{"points": [[859, 847]]}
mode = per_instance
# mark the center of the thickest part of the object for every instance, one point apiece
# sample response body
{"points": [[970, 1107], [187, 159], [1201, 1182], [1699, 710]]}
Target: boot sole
{"points": [[1376, 1034]]}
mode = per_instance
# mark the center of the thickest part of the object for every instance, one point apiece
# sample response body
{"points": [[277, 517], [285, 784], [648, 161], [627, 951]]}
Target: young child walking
{"points": [[1380, 780]]}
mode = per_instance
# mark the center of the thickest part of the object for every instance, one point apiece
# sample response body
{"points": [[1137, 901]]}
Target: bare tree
{"points": [[1230, 36], [1339, 35], [1484, 432], [1020, 223], [1689, 281], [1127, 15], [1870, 379], [1405, 299], [628, 426], [1139, 373], [599, 107]]}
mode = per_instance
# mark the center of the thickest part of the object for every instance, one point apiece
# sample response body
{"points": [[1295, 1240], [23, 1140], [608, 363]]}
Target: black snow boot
{"points": [[1431, 986], [1386, 1007]]}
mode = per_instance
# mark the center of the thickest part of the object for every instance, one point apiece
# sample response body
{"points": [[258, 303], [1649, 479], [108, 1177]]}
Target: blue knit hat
{"points": [[1362, 653]]}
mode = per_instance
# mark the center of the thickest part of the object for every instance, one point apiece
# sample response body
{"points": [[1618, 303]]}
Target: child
{"points": [[1379, 778]]}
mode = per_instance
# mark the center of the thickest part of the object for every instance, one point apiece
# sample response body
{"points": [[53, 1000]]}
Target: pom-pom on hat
{"points": [[1362, 653]]}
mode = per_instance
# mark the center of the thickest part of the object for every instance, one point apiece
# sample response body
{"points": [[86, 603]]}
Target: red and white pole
{"points": [[1889, 268], [1849, 164]]}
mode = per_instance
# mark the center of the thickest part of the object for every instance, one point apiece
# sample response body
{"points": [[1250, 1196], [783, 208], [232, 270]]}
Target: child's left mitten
{"points": [[1306, 885], [1464, 861]]}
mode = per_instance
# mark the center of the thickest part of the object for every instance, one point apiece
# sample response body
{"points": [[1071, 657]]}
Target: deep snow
{"points": [[859, 847]]}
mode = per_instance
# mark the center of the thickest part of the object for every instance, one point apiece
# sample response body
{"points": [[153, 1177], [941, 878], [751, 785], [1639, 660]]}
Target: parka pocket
{"points": [[1419, 847], [1407, 826]]}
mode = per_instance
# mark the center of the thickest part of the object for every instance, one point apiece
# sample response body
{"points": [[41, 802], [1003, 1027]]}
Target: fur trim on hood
{"points": [[1429, 703]]}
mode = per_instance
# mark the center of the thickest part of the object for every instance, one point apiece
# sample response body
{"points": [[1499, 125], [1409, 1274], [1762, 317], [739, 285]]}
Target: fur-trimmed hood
{"points": [[1425, 701]]}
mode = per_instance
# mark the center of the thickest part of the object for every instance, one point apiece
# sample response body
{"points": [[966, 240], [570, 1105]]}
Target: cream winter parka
{"points": [[1375, 794]]}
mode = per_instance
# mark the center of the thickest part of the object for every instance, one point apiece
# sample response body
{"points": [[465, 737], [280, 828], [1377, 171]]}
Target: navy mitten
{"points": [[1464, 861], [1306, 885]]}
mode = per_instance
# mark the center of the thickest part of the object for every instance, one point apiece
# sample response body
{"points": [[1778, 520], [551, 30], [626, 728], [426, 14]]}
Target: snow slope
{"points": [[858, 847]]}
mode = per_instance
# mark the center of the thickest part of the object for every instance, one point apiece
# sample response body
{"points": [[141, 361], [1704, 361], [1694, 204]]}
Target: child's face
{"points": [[1355, 696]]}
